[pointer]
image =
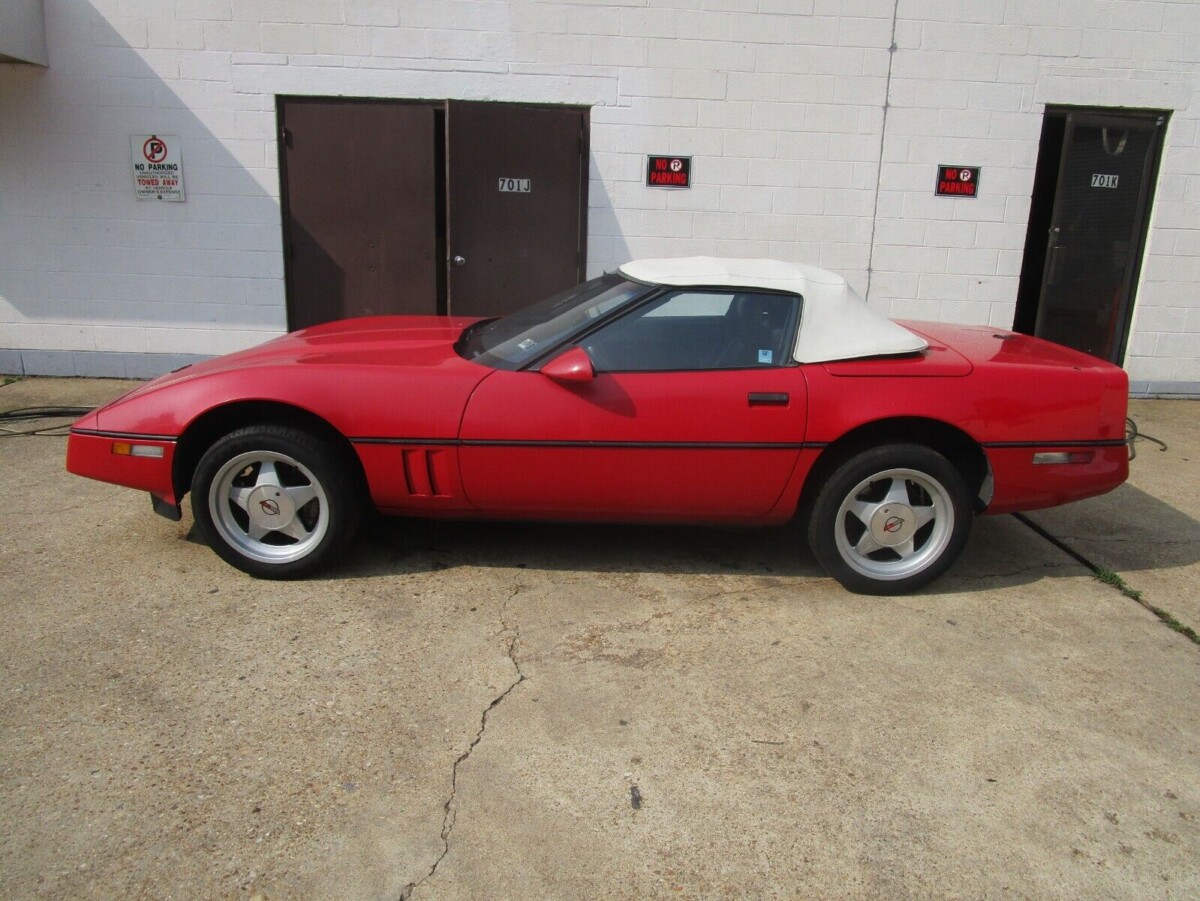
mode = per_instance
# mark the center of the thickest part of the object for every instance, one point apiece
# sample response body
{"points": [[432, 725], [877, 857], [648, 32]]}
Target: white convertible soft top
{"points": [[835, 323]]}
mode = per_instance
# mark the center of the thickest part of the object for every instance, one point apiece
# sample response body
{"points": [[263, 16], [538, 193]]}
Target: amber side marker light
{"points": [[1064, 457], [125, 449]]}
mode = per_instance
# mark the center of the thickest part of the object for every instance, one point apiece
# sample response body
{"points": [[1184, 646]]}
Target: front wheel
{"points": [[890, 519], [274, 501]]}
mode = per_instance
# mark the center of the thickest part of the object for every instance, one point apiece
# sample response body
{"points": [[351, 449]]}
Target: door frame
{"points": [[1054, 144]]}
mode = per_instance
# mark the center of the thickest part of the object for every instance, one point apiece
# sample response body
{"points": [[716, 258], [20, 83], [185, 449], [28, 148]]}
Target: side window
{"points": [[697, 330]]}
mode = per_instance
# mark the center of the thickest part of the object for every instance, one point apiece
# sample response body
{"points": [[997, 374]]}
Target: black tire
{"points": [[891, 519], [275, 501]]}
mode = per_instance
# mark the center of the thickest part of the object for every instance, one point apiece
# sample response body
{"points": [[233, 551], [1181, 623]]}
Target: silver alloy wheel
{"points": [[894, 524], [268, 507]]}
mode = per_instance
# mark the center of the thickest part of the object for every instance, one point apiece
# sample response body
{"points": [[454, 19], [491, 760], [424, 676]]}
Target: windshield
{"points": [[516, 339]]}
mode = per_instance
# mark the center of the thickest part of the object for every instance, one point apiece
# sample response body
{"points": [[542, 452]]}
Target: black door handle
{"points": [[768, 398]]}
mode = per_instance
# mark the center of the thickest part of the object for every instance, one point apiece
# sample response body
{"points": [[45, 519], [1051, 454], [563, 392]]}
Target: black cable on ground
{"points": [[42, 412], [26, 414], [1132, 435], [1108, 577]]}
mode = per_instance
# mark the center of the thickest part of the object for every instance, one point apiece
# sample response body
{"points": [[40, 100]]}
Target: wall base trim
{"points": [[1164, 389], [92, 363]]}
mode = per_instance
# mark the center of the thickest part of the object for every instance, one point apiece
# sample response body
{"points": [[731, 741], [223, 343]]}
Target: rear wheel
{"points": [[274, 501], [890, 519]]}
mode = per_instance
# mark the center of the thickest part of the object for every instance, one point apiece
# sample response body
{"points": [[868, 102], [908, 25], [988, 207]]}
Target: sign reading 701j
{"points": [[157, 167]]}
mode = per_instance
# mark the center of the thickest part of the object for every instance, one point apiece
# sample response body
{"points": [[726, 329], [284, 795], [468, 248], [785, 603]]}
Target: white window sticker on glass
{"points": [[766, 356]]}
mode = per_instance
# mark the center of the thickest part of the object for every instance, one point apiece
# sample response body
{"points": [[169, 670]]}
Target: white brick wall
{"points": [[1009, 63], [780, 102]]}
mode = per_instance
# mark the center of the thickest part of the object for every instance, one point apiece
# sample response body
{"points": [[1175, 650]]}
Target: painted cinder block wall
{"points": [[815, 127]]}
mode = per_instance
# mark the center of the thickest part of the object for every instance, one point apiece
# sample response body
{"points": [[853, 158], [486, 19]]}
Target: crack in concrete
{"points": [[450, 810], [1114, 579], [512, 641], [1115, 539]]}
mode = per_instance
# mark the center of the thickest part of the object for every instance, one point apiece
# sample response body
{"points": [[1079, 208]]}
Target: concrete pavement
{"points": [[470, 711], [1148, 530]]}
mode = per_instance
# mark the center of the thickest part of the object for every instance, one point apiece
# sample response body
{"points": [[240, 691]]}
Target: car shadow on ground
{"points": [[1137, 530], [387, 542], [1002, 551], [1126, 530]]}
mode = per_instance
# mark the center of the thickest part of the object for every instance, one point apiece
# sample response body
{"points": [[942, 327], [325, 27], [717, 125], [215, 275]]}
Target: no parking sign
{"points": [[668, 171], [957, 181], [157, 167]]}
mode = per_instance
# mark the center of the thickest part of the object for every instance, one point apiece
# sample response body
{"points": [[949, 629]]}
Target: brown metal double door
{"points": [[468, 208]]}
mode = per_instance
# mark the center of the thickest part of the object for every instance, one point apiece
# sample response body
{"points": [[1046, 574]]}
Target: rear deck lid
{"points": [[937, 360]]}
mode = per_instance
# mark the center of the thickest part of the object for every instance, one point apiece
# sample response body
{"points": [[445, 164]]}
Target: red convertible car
{"points": [[694, 390]]}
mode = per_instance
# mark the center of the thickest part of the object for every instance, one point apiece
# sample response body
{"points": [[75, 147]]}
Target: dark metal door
{"points": [[1097, 231], [360, 203], [517, 200]]}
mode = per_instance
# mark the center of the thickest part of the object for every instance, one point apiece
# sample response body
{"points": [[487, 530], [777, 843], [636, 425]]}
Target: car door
{"points": [[694, 411]]}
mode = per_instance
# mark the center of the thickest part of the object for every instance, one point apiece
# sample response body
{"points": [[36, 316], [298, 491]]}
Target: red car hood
{"points": [[386, 333], [408, 341], [381, 340], [349, 372]]}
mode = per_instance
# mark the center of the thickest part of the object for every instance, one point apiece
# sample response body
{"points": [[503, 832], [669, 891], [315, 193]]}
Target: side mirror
{"points": [[572, 365]]}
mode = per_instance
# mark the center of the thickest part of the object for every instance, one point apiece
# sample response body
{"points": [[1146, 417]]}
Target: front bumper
{"points": [[102, 456]]}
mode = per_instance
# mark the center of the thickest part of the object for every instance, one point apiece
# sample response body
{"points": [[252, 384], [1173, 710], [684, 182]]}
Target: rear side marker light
{"points": [[125, 449], [1063, 457]]}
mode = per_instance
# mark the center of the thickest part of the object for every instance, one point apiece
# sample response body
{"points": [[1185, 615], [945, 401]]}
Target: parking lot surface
{"points": [[515, 711]]}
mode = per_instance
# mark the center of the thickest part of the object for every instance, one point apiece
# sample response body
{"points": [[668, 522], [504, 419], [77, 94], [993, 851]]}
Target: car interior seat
{"points": [[754, 331]]}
